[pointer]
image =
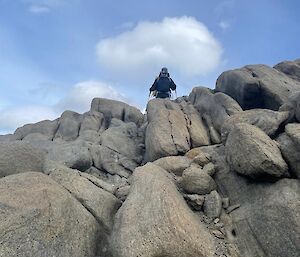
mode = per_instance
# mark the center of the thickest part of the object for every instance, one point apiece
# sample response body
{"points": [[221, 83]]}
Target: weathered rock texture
{"points": [[167, 132], [251, 152], [17, 157], [214, 108], [257, 86], [290, 68], [267, 120], [100, 203], [155, 221], [265, 215], [289, 143], [292, 105], [39, 218], [196, 181]]}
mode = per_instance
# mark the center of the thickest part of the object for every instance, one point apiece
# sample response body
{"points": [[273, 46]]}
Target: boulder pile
{"points": [[215, 173]]}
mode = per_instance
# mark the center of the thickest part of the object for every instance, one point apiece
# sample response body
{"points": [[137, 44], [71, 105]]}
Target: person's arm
{"points": [[153, 87], [173, 85]]}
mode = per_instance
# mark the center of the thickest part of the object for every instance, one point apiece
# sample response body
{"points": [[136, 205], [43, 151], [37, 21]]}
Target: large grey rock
{"points": [[91, 120], [292, 105], [105, 185], [102, 204], [124, 139], [196, 181], [290, 68], [269, 225], [167, 132], [119, 110], [257, 86], [199, 134], [47, 128], [155, 221], [8, 138], [267, 221], [68, 126], [251, 152], [38, 140], [267, 120], [18, 157], [40, 218], [112, 161], [174, 164], [214, 108], [75, 155], [90, 136], [289, 143]]}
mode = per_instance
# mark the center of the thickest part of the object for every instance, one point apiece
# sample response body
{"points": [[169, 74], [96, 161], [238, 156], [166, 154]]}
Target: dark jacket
{"points": [[163, 86]]}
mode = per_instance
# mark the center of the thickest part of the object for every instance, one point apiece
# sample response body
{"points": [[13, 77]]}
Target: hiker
{"points": [[163, 85]]}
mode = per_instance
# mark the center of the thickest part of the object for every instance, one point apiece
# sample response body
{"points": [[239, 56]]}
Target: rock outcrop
{"points": [[40, 218], [290, 68], [167, 132], [257, 86], [155, 221], [251, 152], [215, 173], [17, 157], [289, 143], [267, 120]]}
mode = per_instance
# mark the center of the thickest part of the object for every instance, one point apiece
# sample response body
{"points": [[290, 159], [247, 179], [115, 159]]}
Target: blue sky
{"points": [[59, 54]]}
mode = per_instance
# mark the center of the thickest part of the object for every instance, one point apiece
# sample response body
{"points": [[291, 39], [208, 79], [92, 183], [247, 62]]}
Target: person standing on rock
{"points": [[163, 85]]}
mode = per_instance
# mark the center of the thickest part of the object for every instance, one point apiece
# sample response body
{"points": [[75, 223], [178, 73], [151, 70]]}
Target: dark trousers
{"points": [[163, 95]]}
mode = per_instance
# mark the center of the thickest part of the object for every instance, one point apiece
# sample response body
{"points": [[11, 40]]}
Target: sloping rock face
{"points": [[257, 86], [251, 152], [214, 108], [290, 68], [47, 128], [102, 204], [167, 132], [115, 109], [176, 127], [155, 221], [292, 105], [39, 218], [17, 157], [267, 120], [289, 143], [264, 215]]}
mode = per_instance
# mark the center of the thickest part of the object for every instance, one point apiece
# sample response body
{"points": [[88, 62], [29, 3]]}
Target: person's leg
{"points": [[163, 95]]}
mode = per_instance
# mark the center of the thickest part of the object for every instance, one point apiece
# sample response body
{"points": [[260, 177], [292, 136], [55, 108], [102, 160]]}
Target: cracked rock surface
{"points": [[40, 218], [156, 221]]}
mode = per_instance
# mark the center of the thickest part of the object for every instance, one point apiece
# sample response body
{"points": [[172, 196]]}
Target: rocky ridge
{"points": [[215, 173]]}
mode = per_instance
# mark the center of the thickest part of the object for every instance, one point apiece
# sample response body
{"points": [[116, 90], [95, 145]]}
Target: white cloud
{"points": [[224, 25], [11, 118], [79, 98], [183, 44], [37, 9]]}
